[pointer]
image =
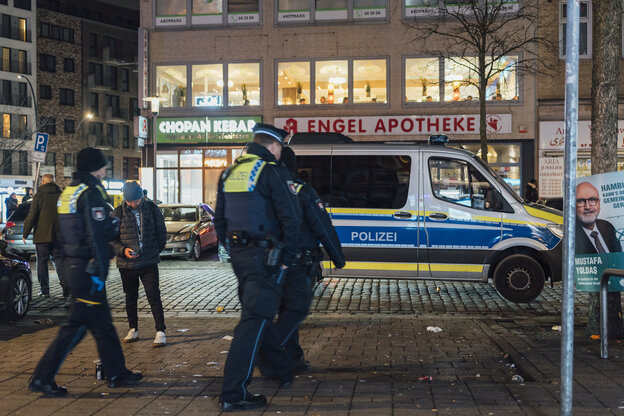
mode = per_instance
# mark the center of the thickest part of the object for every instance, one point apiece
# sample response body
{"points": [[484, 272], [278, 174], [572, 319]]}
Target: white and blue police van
{"points": [[426, 211]]}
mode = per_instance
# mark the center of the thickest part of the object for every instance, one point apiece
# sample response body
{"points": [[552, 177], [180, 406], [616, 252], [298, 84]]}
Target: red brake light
{"points": [[9, 224]]}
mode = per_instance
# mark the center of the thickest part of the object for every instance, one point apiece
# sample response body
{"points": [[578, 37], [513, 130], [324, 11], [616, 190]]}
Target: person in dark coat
{"points": [[86, 231], [141, 239], [530, 193], [30, 193], [43, 217], [11, 204], [316, 227]]}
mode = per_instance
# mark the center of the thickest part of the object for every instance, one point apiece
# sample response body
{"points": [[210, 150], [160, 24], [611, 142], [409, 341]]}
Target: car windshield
{"points": [[20, 213], [181, 214]]}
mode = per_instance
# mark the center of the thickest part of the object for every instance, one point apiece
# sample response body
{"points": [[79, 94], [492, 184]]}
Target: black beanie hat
{"points": [[90, 159], [289, 160]]}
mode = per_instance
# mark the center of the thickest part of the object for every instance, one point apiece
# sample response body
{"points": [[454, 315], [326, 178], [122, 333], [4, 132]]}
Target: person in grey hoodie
{"points": [[141, 238], [43, 218]]}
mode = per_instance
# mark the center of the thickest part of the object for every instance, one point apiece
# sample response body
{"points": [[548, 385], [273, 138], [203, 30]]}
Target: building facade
{"points": [[551, 100], [17, 110], [348, 66], [88, 75]]}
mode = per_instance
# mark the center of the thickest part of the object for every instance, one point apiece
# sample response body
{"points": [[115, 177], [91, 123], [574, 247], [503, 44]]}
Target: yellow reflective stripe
{"points": [[89, 302], [538, 213], [68, 201], [366, 211], [244, 176], [298, 187], [364, 265]]}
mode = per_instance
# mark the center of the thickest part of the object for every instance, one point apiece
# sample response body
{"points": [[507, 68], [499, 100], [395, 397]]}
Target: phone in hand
{"points": [[133, 253]]}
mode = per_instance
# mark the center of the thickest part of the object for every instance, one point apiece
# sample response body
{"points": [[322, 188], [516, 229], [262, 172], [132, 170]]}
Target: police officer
{"points": [[316, 227], [257, 215], [86, 228]]}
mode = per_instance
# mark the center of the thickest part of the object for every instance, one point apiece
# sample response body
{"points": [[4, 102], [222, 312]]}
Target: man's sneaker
{"points": [[133, 336], [44, 295], [253, 401], [160, 340], [127, 379], [48, 390]]}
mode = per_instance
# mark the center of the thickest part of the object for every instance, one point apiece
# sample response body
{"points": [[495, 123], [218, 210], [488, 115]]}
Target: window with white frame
{"points": [[456, 79], [172, 13], [336, 81], [585, 29], [300, 11]]}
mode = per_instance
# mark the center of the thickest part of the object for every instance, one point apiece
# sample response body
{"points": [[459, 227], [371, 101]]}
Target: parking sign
{"points": [[41, 147]]}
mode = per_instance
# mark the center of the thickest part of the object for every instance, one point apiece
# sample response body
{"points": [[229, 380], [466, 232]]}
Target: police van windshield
{"points": [[498, 179]]}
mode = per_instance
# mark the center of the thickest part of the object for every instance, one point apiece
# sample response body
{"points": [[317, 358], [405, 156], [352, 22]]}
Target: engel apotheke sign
{"points": [[206, 129], [397, 125]]}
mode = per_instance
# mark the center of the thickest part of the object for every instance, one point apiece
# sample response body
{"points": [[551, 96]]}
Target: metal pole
{"points": [[571, 119], [37, 121], [155, 146]]}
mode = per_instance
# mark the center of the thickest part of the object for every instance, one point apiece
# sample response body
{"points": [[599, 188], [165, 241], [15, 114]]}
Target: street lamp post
{"points": [[155, 108], [37, 121], [87, 116]]}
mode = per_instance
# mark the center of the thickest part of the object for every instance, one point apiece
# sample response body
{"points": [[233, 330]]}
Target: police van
{"points": [[408, 211]]}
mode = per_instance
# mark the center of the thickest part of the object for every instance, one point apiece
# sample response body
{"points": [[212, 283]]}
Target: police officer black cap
{"points": [[90, 159], [271, 131]]}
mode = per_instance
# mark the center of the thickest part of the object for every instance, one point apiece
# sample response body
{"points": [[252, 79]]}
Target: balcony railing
{"points": [[16, 100], [116, 115], [96, 85]]}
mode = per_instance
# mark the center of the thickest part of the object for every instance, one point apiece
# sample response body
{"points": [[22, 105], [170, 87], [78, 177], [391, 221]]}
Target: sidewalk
{"points": [[363, 364]]}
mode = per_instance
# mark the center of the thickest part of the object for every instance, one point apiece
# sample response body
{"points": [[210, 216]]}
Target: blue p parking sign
{"points": [[41, 146]]}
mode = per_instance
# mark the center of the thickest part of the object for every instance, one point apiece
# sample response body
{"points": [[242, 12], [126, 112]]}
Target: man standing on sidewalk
{"points": [[141, 239], [44, 219], [257, 215], [86, 232]]}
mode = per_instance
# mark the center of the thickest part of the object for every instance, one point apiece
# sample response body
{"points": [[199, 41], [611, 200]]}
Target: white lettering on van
{"points": [[377, 236]]}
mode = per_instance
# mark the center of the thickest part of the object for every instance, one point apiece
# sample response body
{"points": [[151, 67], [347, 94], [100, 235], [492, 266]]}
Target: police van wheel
{"points": [[519, 278], [18, 298]]}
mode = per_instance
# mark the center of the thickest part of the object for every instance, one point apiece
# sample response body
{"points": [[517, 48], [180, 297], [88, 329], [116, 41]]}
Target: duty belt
{"points": [[241, 238]]}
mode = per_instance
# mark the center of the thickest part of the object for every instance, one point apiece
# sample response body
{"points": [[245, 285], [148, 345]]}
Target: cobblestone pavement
{"points": [[367, 340], [198, 288]]}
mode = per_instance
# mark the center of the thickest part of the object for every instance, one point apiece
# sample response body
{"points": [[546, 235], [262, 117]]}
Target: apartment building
{"points": [[17, 111], [349, 66], [88, 55]]}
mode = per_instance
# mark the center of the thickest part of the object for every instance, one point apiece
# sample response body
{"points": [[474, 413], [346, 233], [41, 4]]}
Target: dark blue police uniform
{"points": [[316, 226], [257, 210]]}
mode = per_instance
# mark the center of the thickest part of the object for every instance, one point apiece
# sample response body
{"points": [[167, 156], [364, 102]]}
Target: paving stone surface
{"points": [[367, 341]]}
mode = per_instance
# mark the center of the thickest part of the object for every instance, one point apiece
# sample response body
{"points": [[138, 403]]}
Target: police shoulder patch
{"points": [[98, 213], [292, 186], [320, 204]]}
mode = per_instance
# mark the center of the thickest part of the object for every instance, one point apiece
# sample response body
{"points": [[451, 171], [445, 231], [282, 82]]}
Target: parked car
{"points": [[15, 284], [190, 230], [14, 229]]}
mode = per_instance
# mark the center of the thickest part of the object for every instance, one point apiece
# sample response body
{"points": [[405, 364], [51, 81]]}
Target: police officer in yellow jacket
{"points": [[257, 215], [86, 229]]}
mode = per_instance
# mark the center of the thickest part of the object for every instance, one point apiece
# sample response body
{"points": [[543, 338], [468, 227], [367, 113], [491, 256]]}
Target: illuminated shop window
{"points": [[503, 85], [244, 84], [332, 82], [293, 83], [460, 79], [422, 80], [369, 81], [208, 85], [171, 85]]}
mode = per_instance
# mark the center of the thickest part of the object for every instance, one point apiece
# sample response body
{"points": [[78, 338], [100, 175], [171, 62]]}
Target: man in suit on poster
{"points": [[592, 234]]}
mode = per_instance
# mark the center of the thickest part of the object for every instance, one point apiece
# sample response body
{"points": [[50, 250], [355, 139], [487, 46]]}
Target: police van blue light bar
{"points": [[438, 139]]}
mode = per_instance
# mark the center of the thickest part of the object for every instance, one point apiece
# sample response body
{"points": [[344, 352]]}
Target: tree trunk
{"points": [[482, 108], [607, 48]]}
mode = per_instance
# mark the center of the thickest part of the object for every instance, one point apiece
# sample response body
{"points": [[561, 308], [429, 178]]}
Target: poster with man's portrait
{"points": [[599, 229]]}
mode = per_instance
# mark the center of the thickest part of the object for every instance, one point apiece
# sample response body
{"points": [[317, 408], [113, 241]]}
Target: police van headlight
{"points": [[556, 229], [182, 237]]}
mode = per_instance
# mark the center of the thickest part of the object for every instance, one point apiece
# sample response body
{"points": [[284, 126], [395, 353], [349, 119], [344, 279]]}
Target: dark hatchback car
{"points": [[13, 231], [15, 284]]}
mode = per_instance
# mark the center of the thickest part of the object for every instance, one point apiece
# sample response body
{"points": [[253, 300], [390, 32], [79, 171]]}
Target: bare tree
{"points": [[19, 138], [488, 38], [607, 47]]}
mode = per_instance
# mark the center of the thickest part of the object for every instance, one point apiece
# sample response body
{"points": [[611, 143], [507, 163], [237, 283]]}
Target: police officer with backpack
{"points": [[316, 226], [86, 229], [257, 215]]}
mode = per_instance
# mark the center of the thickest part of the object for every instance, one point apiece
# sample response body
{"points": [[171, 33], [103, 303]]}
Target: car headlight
{"points": [[182, 237], [556, 229]]}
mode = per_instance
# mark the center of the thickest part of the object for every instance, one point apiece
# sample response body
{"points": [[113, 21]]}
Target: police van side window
{"points": [[316, 171], [458, 182], [363, 181]]}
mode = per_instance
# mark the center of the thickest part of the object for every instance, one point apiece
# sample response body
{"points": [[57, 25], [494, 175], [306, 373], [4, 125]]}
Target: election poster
{"points": [[599, 230]]}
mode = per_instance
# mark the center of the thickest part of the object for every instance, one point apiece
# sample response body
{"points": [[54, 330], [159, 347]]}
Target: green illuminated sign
{"points": [[206, 130]]}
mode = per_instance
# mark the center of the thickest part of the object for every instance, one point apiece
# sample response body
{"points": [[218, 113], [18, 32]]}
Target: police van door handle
{"points": [[402, 214], [438, 216]]}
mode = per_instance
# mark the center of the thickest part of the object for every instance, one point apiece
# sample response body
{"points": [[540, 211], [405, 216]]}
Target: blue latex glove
{"points": [[97, 285]]}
